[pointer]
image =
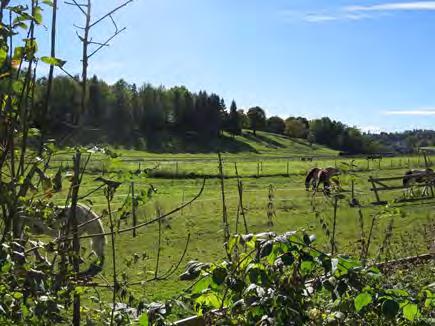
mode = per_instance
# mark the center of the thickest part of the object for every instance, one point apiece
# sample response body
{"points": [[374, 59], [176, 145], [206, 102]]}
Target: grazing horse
{"points": [[316, 176], [413, 177], [88, 222]]}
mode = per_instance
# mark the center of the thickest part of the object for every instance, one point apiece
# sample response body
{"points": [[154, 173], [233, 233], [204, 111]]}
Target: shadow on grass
{"points": [[263, 140], [195, 144]]}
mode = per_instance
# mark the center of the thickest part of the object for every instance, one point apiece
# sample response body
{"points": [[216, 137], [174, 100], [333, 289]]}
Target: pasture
{"points": [[179, 179]]}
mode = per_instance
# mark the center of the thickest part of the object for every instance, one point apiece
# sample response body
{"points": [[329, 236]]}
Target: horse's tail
{"points": [[310, 176]]}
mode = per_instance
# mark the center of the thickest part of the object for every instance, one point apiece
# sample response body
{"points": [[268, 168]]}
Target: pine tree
{"points": [[234, 125]]}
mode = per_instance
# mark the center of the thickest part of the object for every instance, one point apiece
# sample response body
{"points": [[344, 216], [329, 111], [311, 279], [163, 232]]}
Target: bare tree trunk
{"points": [[76, 242], [45, 110]]}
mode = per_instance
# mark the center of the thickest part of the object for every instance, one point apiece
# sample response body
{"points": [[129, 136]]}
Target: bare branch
{"points": [[69, 75], [77, 5], [142, 224], [106, 43], [91, 192], [109, 13], [170, 271], [97, 43], [80, 37], [77, 26], [174, 268], [114, 24]]}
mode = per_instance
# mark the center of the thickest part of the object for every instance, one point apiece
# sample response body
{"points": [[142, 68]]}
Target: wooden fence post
{"points": [[288, 170], [426, 164], [374, 188], [133, 209], [182, 203], [334, 227], [353, 189]]}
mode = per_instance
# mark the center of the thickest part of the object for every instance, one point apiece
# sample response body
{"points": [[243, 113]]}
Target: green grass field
{"points": [[181, 178]]}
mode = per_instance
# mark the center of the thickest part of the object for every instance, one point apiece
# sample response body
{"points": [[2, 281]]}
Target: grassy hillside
{"points": [[246, 146]]}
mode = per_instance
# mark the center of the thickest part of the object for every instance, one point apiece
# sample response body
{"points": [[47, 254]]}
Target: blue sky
{"points": [[366, 63]]}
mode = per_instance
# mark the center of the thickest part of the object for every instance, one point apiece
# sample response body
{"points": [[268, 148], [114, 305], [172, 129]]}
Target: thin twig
{"points": [[159, 243], [109, 196], [106, 43], [77, 5], [142, 224], [224, 207], [110, 13], [170, 271]]}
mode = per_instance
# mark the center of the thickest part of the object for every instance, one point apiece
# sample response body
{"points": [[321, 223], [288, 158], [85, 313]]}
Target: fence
{"points": [[380, 185]]}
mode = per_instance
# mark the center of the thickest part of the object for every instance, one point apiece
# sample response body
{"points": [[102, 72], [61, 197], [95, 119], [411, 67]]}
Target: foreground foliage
{"points": [[275, 280]]}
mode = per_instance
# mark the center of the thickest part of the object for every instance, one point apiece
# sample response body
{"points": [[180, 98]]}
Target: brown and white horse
{"points": [[413, 177], [316, 176]]}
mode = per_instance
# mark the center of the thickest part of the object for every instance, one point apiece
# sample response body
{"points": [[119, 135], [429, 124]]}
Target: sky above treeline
{"points": [[367, 63]]}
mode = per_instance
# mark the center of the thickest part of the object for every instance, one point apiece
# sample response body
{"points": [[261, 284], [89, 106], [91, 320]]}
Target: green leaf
{"points": [[38, 15], [24, 310], [21, 25], [18, 53], [143, 319], [53, 61], [3, 56], [17, 295], [410, 311], [17, 86], [266, 249], [390, 308], [307, 267], [48, 2], [430, 299], [288, 258], [202, 285], [362, 300], [219, 275], [398, 292], [79, 290], [6, 267]]}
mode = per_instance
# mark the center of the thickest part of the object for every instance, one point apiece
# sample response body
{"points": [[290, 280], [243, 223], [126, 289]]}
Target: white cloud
{"points": [[318, 18], [355, 13], [395, 6], [416, 112]]}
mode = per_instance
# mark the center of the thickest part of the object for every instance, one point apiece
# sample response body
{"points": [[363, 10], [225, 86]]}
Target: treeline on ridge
{"points": [[155, 118]]}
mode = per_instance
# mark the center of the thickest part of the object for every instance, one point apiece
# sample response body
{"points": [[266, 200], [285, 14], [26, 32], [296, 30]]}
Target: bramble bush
{"points": [[280, 279]]}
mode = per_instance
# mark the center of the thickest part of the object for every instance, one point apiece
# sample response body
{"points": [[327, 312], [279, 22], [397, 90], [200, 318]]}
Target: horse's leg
{"points": [[425, 191], [412, 192], [316, 186]]}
